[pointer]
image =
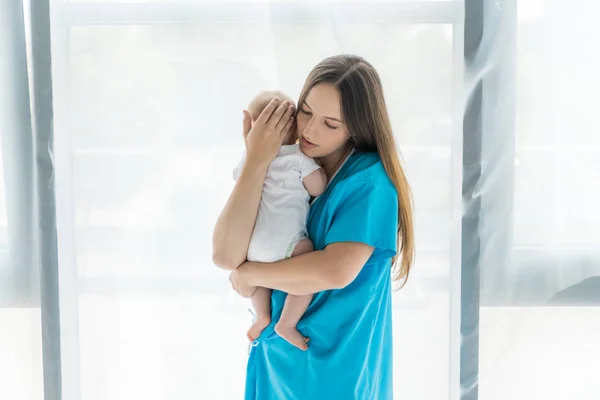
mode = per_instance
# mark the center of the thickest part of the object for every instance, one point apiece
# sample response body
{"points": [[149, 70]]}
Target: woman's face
{"points": [[321, 130]]}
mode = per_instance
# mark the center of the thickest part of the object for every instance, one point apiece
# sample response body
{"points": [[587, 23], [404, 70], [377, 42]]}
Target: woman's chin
{"points": [[310, 152]]}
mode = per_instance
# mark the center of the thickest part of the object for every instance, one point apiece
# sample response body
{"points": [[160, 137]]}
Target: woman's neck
{"points": [[334, 161]]}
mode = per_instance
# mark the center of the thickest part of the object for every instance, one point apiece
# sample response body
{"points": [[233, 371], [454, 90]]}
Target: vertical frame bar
{"points": [[470, 235], [41, 73], [456, 149], [68, 280], [488, 170]]}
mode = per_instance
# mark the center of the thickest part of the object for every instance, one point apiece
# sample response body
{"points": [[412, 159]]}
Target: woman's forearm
{"points": [[235, 224], [305, 274]]}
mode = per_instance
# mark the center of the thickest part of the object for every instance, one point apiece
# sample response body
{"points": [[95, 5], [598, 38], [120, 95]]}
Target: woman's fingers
{"points": [[265, 115], [238, 285], [248, 291], [264, 138], [279, 114], [280, 126], [276, 114], [247, 123], [287, 126]]}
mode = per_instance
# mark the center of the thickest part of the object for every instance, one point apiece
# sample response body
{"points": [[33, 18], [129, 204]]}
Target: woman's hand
{"points": [[264, 138], [239, 285]]}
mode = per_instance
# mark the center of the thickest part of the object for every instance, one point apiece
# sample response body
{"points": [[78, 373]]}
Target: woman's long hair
{"points": [[365, 114]]}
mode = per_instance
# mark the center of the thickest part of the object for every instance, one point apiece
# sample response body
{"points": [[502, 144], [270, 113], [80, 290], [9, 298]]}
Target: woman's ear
{"points": [[350, 137]]}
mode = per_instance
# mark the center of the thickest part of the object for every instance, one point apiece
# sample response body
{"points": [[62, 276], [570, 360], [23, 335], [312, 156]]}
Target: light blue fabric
{"points": [[350, 330]]}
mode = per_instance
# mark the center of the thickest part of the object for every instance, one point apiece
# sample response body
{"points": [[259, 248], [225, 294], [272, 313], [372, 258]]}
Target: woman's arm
{"points": [[332, 268], [233, 230], [235, 224]]}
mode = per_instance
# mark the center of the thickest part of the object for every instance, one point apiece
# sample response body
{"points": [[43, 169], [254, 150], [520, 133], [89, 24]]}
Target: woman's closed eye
{"points": [[327, 124]]}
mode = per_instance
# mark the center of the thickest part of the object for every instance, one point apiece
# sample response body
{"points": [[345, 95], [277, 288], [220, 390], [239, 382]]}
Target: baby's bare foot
{"points": [[260, 323], [292, 335]]}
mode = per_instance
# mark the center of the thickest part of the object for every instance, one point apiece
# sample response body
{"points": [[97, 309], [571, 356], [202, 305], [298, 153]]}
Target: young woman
{"points": [[355, 226]]}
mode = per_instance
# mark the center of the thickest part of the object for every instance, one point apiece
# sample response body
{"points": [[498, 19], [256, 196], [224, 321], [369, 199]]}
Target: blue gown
{"points": [[350, 329]]}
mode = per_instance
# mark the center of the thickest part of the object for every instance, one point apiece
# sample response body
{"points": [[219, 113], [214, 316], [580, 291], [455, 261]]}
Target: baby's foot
{"points": [[292, 335], [260, 323]]}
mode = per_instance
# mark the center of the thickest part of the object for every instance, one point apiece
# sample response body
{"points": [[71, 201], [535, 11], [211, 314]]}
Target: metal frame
{"points": [[488, 122], [455, 315], [43, 120], [470, 239], [299, 12], [67, 15]]}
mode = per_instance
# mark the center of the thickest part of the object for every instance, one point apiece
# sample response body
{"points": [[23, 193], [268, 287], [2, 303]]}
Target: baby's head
{"points": [[261, 100]]}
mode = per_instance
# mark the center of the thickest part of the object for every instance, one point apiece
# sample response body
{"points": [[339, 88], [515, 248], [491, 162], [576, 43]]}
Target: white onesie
{"points": [[281, 220]]}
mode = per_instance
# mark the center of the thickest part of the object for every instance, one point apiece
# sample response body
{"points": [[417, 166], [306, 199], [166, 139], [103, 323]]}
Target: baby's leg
{"points": [[261, 301], [294, 307], [293, 310], [304, 246]]}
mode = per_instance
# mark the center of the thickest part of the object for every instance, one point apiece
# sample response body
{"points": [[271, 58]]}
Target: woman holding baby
{"points": [[361, 229]]}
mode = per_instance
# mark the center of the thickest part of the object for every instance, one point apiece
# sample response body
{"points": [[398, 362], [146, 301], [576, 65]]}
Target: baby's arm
{"points": [[315, 182], [313, 176]]}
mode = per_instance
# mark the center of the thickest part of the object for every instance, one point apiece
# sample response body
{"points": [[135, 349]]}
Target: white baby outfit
{"points": [[283, 210]]}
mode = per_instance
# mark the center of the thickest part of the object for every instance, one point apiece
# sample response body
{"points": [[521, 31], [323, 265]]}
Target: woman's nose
{"points": [[308, 132]]}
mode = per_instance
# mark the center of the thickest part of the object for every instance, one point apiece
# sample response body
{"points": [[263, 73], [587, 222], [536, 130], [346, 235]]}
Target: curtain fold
{"points": [[29, 270], [19, 276]]}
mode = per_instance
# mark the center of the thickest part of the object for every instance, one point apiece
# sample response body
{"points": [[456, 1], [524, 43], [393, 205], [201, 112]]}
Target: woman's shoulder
{"points": [[364, 173], [364, 168]]}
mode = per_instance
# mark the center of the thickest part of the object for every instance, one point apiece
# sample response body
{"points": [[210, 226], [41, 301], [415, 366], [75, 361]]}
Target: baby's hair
{"points": [[262, 99]]}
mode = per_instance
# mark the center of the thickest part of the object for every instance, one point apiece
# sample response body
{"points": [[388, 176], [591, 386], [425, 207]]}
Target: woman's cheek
{"points": [[300, 125]]}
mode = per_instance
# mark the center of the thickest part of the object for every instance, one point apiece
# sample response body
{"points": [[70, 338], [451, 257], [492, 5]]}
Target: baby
{"points": [[280, 229]]}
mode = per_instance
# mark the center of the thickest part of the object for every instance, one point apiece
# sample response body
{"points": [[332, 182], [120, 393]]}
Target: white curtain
{"points": [[120, 130]]}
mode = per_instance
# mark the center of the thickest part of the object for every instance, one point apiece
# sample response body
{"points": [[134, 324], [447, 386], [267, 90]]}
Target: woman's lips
{"points": [[308, 144]]}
